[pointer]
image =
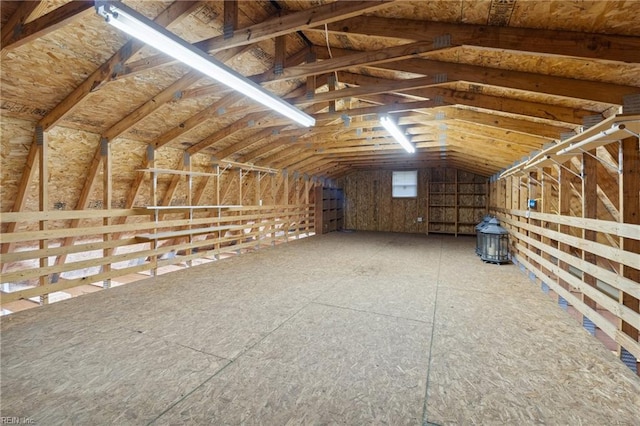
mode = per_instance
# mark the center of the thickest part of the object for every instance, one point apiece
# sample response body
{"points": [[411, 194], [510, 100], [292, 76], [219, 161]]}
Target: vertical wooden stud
{"points": [[43, 201], [280, 54], [589, 210], [107, 191], [153, 197], [188, 168], [630, 213], [285, 201], [230, 18], [298, 217], [564, 209]]}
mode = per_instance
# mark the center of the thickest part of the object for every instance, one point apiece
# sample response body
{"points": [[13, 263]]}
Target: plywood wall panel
{"points": [[371, 207], [16, 137], [385, 219]]}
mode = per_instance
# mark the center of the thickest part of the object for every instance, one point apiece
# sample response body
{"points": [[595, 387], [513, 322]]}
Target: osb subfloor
{"points": [[346, 328]]}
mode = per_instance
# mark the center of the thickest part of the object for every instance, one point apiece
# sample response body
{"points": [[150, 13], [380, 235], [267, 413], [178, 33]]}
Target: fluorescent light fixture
{"points": [[138, 26], [397, 134]]}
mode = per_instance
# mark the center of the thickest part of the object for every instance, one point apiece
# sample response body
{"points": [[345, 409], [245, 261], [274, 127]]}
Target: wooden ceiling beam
{"points": [[452, 144], [554, 42], [306, 168], [292, 22], [279, 160], [527, 81], [254, 120], [273, 27], [293, 165], [328, 169], [149, 63], [511, 138], [314, 136], [196, 120], [421, 87], [479, 100], [238, 125], [218, 108], [247, 142], [360, 58], [48, 23], [433, 156], [171, 93], [173, 13], [518, 107], [16, 22], [458, 163], [330, 96], [396, 161], [535, 128], [258, 136]]}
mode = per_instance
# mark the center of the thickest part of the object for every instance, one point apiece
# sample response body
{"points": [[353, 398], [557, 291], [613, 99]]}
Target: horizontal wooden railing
{"points": [[538, 244], [144, 244]]}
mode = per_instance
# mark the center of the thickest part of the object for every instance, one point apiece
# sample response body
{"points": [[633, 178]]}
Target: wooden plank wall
{"points": [[581, 244], [369, 205], [58, 242]]}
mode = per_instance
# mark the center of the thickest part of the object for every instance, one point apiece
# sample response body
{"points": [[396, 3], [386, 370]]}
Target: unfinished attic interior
{"points": [[230, 189]]}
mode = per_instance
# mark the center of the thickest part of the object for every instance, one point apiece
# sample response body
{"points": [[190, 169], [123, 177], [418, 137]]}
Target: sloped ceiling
{"points": [[476, 84]]}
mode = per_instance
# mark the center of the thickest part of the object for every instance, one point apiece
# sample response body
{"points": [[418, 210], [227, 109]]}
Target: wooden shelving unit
{"points": [[457, 201], [329, 213]]}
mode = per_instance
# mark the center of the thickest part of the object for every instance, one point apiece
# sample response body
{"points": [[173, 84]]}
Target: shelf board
{"points": [[176, 172], [188, 207]]}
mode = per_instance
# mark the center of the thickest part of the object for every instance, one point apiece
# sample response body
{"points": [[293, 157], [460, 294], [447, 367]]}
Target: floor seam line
{"points": [[232, 361], [425, 422], [368, 312]]}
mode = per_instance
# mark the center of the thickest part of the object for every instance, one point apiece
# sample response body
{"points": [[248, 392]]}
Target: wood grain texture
{"points": [[395, 326]]}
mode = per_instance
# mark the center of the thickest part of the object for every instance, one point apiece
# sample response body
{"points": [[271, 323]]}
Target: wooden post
{"points": [[297, 201], [153, 197], [230, 18], [240, 202], [546, 199], [43, 201], [274, 194], [629, 213], [589, 210], [285, 201], [280, 55], [258, 195], [107, 191], [218, 202], [257, 176], [307, 218], [455, 202], [533, 194], [564, 209], [319, 217], [332, 83], [188, 168]]}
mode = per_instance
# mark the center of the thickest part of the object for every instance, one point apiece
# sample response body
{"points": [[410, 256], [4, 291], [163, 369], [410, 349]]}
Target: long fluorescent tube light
{"points": [[397, 134], [138, 26], [615, 127]]}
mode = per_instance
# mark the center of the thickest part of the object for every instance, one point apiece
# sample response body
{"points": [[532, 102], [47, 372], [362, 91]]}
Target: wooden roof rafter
{"points": [[541, 41], [104, 72], [270, 29], [27, 32], [443, 72]]}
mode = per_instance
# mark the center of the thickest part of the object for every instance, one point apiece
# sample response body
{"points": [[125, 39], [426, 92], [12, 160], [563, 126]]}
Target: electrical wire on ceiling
{"points": [[326, 37]]}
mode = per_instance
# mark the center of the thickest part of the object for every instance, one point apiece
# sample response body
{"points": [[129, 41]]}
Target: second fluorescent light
{"points": [[397, 134]]}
